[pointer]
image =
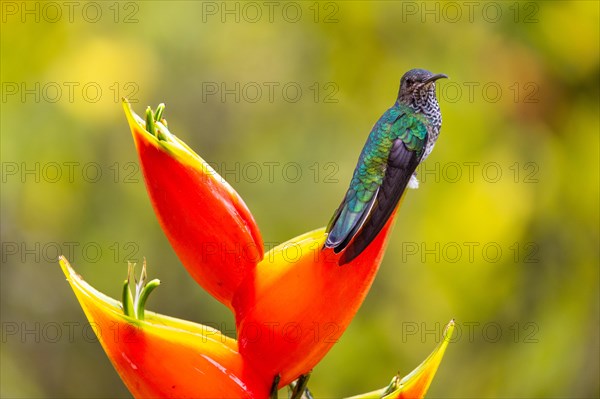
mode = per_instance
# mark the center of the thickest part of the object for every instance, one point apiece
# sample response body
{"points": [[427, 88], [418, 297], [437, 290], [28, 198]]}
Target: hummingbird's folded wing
{"points": [[401, 165], [349, 217]]}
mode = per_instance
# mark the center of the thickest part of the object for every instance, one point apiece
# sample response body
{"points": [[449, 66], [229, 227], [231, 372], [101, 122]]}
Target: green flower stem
{"points": [[380, 393], [150, 121], [141, 304], [155, 123], [159, 111], [127, 300], [134, 305]]}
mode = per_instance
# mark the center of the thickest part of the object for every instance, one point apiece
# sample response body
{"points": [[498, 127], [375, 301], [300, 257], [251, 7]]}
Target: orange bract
{"points": [[164, 357], [300, 302]]}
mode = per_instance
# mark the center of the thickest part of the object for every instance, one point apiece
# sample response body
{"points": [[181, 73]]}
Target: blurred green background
{"points": [[502, 235]]}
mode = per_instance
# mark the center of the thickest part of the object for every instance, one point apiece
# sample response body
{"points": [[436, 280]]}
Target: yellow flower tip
{"points": [[66, 268], [85, 293], [155, 132], [64, 264], [72, 277], [129, 114], [168, 142], [417, 382]]}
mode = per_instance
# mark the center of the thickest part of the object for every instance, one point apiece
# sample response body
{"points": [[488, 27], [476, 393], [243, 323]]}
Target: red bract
{"points": [[207, 223]]}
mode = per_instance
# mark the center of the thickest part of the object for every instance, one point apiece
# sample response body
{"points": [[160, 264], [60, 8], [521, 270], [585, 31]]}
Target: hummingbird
{"points": [[401, 139]]}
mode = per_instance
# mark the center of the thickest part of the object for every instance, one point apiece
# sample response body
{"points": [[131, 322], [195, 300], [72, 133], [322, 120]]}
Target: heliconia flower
{"points": [[293, 304], [164, 357], [207, 223]]}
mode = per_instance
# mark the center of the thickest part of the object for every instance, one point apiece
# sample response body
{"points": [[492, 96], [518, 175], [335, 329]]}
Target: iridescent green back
{"points": [[398, 122], [401, 122]]}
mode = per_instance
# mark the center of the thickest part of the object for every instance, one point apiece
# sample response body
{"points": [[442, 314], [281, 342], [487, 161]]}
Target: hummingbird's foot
{"points": [[413, 182]]}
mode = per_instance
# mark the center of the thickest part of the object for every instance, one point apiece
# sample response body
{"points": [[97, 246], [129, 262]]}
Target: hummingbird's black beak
{"points": [[435, 77]]}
